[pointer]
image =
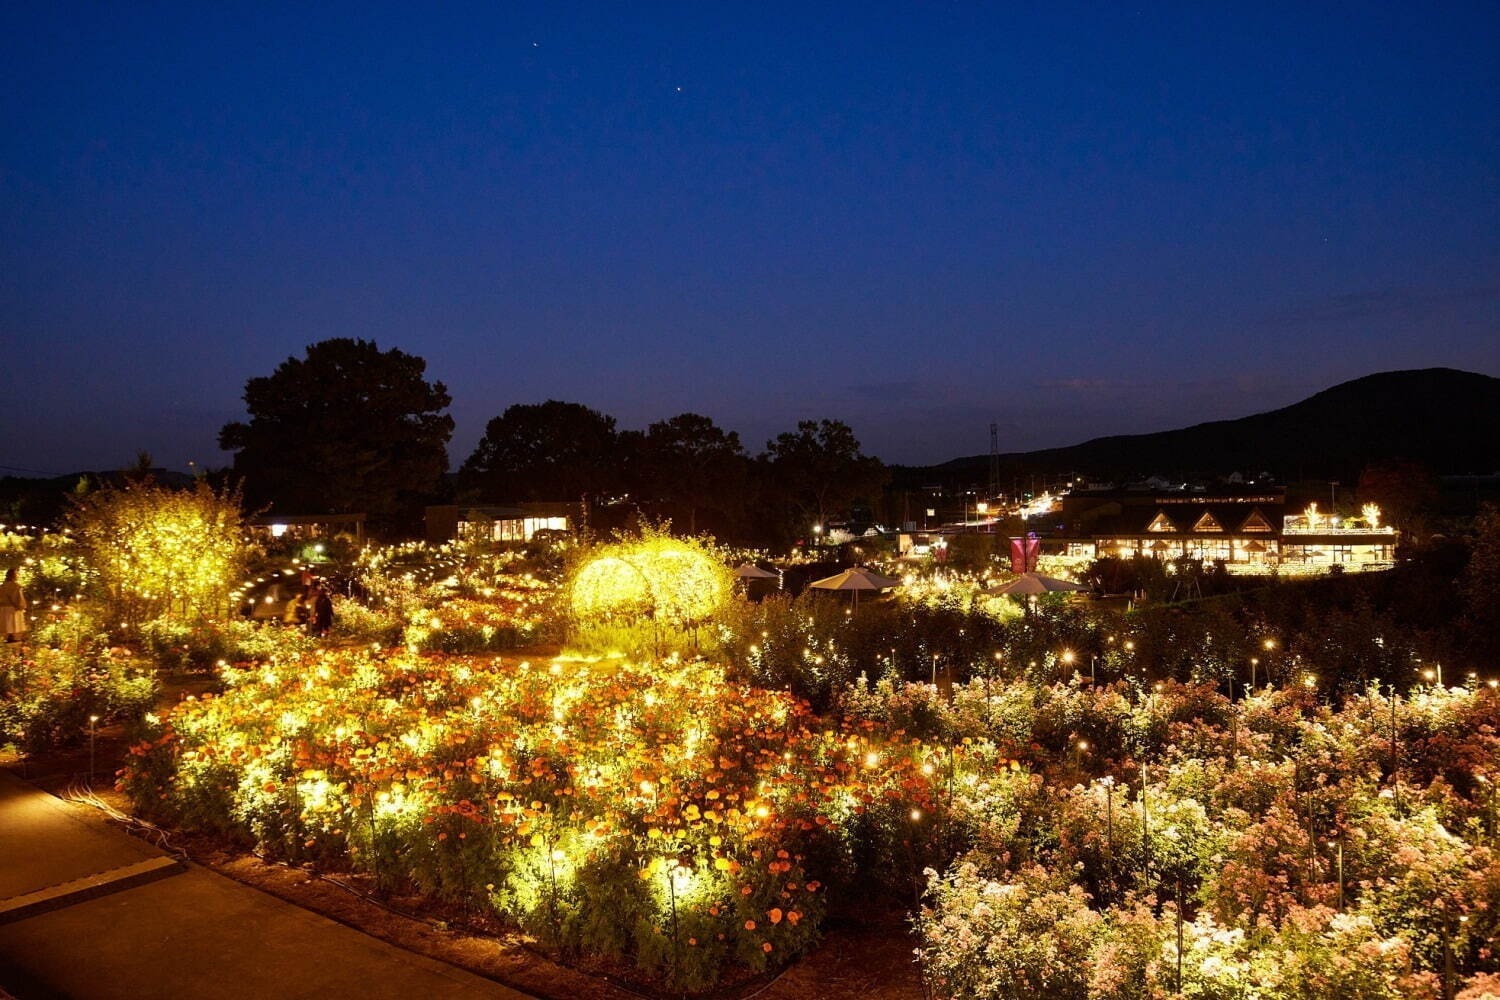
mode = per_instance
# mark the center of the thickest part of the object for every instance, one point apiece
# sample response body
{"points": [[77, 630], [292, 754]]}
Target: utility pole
{"points": [[994, 460]]}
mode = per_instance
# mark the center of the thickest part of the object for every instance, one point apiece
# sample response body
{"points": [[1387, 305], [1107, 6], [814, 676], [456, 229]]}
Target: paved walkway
{"points": [[90, 913]]}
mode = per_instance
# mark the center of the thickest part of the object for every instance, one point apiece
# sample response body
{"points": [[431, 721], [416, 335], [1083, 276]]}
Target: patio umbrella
{"points": [[750, 571], [856, 580], [1028, 584]]}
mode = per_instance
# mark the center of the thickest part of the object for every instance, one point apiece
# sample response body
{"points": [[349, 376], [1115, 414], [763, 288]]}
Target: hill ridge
{"points": [[1445, 418]]}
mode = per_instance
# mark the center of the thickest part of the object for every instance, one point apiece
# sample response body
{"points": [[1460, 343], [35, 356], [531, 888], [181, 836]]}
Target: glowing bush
{"points": [[673, 581], [156, 551]]}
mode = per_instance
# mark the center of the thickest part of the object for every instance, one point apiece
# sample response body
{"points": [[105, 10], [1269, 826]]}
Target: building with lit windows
{"points": [[1246, 529], [508, 523]]}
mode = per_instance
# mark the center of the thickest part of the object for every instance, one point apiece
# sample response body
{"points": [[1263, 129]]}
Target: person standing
{"points": [[321, 611], [12, 608]]}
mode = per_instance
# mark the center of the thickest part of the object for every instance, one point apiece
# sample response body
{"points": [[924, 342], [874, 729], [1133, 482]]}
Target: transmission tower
{"points": [[994, 461]]}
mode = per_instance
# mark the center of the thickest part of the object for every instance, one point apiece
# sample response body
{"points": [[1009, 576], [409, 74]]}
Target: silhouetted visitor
{"points": [[12, 607], [320, 621], [296, 612]]}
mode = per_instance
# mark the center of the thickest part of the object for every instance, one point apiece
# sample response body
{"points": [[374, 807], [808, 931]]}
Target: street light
{"points": [[93, 728]]}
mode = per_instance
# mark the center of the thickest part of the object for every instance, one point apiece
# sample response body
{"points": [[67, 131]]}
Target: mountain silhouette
{"points": [[1446, 419]]}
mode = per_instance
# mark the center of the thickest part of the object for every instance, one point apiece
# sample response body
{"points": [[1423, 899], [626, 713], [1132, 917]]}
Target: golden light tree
{"points": [[157, 552], [676, 582]]}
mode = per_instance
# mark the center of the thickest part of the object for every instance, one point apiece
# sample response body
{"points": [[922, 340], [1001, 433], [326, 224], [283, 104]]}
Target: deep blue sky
{"points": [[1071, 220]]}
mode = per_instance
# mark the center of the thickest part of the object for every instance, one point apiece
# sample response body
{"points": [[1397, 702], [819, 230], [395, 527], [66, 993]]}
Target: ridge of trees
{"points": [[349, 427]]}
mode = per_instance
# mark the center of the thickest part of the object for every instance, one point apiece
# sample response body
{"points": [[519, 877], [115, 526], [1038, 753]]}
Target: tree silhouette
{"points": [[688, 464], [543, 451], [819, 470], [347, 428]]}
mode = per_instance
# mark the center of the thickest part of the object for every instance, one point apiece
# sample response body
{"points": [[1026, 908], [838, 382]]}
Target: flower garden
{"points": [[1066, 804]]}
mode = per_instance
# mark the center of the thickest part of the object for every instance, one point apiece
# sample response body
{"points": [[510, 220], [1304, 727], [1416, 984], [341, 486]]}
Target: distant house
{"points": [[306, 527], [500, 523], [1245, 527]]}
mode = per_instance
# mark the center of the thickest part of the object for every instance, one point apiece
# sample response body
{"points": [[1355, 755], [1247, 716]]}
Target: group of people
{"points": [[311, 607]]}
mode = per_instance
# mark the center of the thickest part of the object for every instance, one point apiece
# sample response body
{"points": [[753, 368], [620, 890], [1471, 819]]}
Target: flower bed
{"points": [[648, 812], [508, 615], [50, 697], [1312, 851]]}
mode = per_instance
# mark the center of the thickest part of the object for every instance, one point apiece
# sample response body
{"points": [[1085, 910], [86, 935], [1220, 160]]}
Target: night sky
{"points": [[917, 218]]}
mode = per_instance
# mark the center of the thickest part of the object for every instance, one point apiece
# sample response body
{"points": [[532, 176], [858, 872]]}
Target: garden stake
{"points": [[1179, 937]]}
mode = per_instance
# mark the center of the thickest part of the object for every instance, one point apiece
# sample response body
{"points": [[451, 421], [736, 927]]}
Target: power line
{"points": [[34, 472]]}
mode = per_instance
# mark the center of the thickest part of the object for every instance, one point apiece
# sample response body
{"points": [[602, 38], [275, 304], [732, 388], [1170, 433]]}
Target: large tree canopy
{"points": [[347, 428], [543, 451], [820, 470], [689, 464]]}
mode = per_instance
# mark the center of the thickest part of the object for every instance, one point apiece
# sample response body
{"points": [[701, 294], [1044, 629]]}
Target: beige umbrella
{"points": [[1028, 584], [856, 580], [750, 571]]}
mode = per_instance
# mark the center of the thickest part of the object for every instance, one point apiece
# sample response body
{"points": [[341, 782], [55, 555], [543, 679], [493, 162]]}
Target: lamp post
{"points": [[1145, 827], [1338, 845], [1109, 814], [1234, 735], [93, 728]]}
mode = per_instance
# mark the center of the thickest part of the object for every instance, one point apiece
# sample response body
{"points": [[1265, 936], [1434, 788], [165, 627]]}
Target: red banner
{"points": [[1024, 553]]}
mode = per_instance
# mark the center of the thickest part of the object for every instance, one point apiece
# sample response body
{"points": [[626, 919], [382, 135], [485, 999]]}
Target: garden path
{"points": [[91, 913]]}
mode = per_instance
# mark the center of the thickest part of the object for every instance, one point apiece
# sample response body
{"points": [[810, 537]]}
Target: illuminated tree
{"points": [[157, 552], [349, 428], [677, 582]]}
